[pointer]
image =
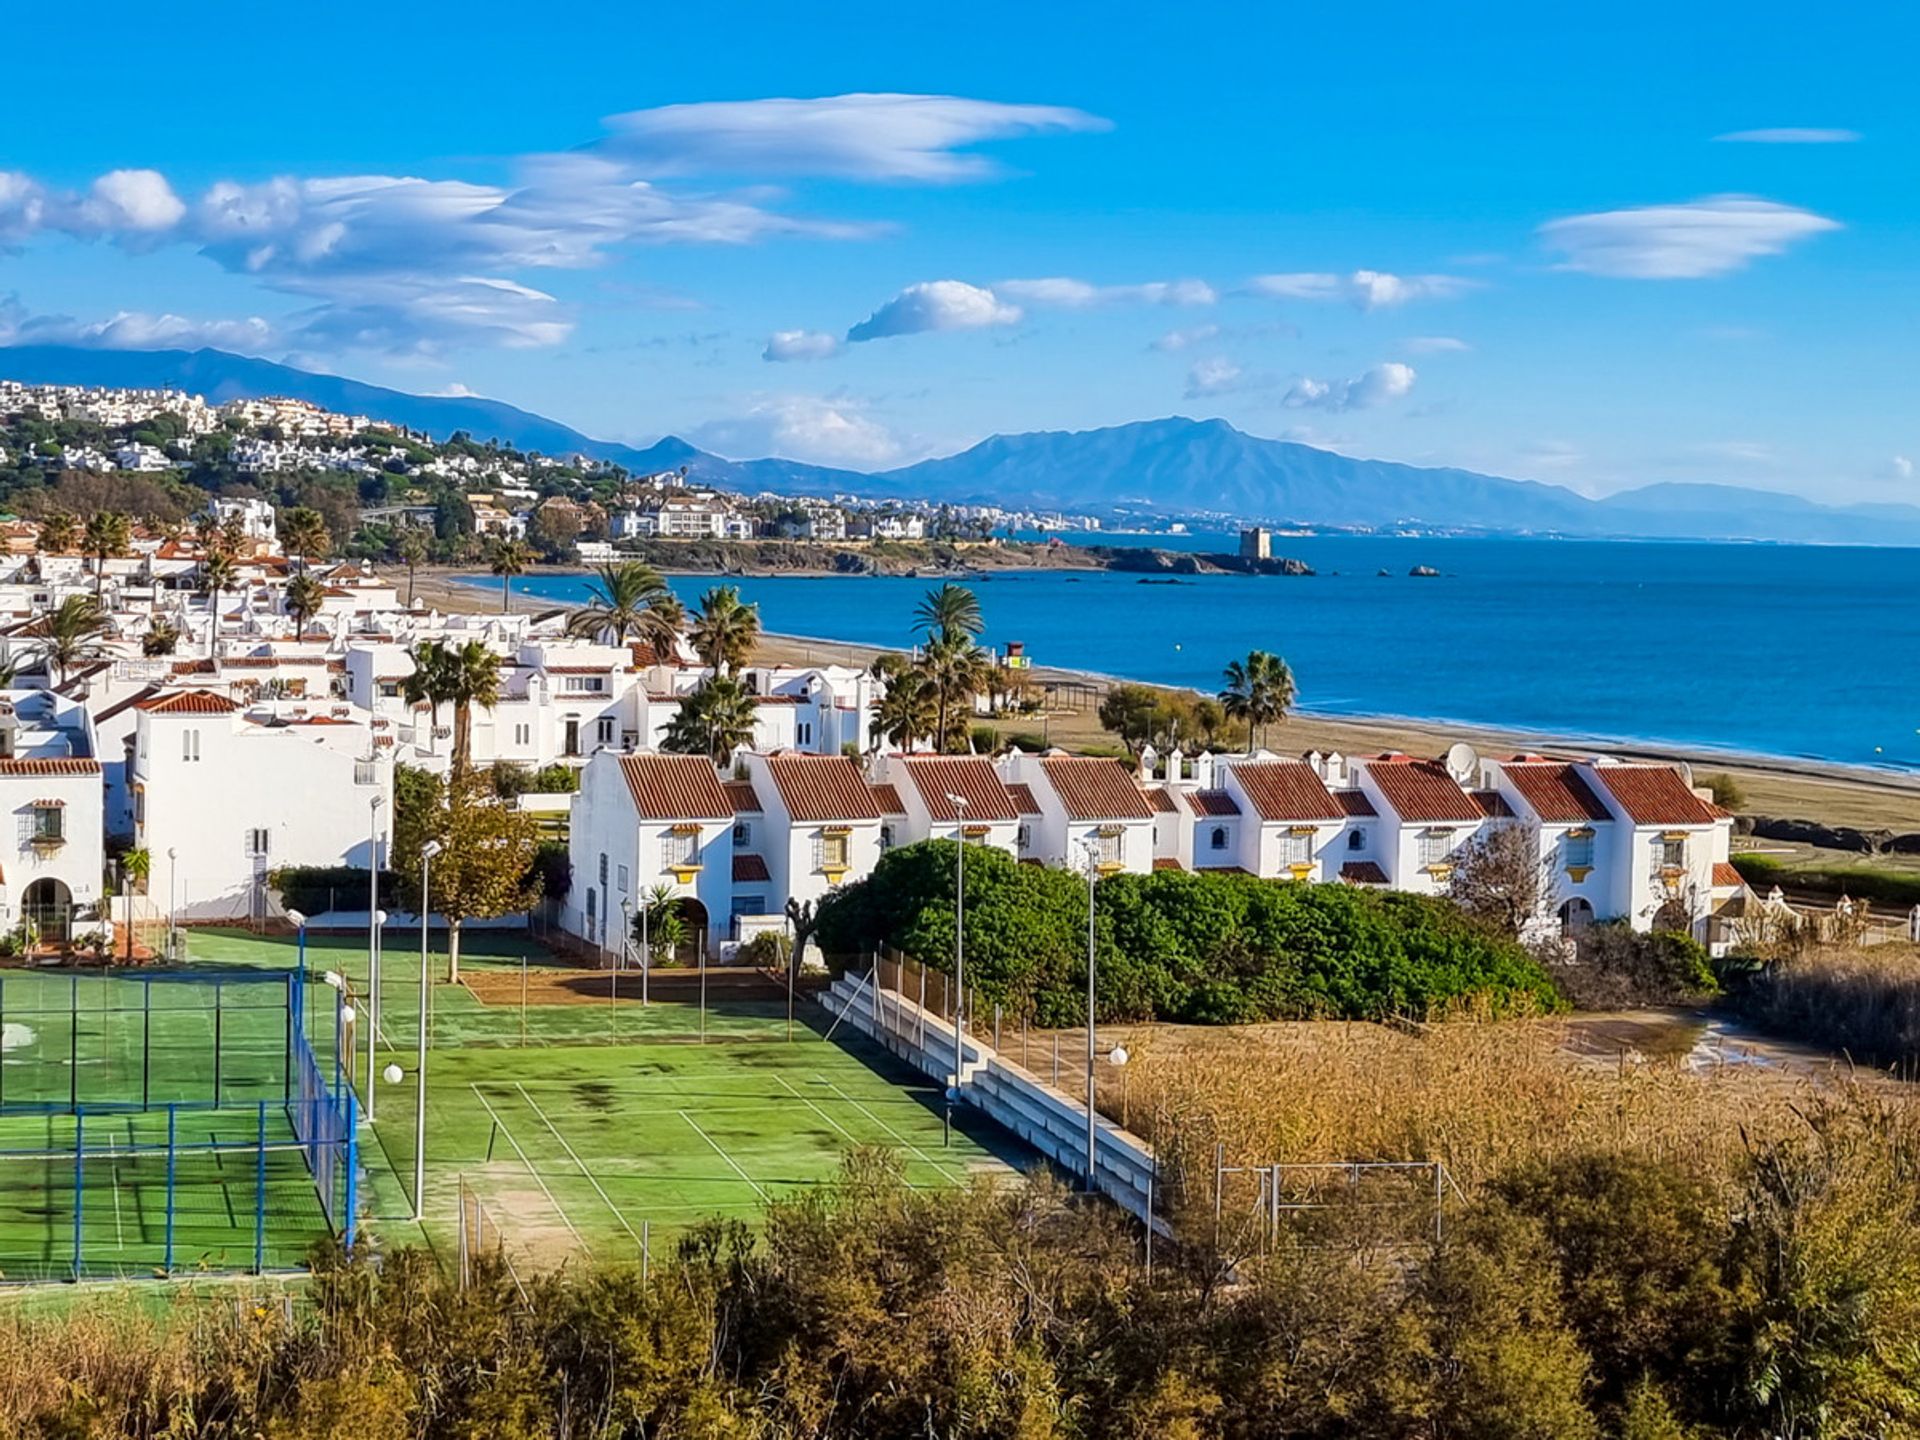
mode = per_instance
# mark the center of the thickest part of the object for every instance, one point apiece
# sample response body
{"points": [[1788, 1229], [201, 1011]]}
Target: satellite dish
{"points": [[1463, 761]]}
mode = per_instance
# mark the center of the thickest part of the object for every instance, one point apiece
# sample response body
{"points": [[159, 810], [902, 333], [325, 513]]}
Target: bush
{"points": [[1863, 1002], [770, 950], [554, 869], [1886, 887], [1617, 967], [315, 889], [511, 779], [1725, 790], [1204, 948]]}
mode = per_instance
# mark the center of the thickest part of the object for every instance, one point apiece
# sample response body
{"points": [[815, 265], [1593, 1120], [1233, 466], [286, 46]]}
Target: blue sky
{"points": [[1515, 242]]}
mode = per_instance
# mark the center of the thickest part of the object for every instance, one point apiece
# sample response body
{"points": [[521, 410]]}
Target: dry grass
{"points": [[1863, 1001]]}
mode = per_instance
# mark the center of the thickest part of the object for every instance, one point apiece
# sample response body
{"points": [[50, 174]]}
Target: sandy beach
{"points": [[1780, 786]]}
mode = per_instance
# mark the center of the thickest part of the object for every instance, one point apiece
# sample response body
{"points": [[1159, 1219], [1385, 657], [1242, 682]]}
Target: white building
{"points": [[818, 826], [1069, 803], [50, 783]]}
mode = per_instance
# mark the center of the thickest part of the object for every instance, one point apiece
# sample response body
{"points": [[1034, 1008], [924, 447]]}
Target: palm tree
{"points": [[413, 549], [954, 671], [725, 631], [106, 536], [161, 639], [70, 636], [1259, 691], [304, 597], [218, 572], [630, 598], [715, 719], [461, 678], [907, 711], [510, 558], [303, 534], [949, 613], [59, 532]]}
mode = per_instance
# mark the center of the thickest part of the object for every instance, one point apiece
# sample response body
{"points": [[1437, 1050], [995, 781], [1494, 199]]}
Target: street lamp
{"points": [[959, 803], [427, 852], [375, 919], [1092, 847], [173, 900]]}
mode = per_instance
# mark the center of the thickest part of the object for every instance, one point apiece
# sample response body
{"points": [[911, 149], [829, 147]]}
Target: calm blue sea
{"points": [[1771, 649]]}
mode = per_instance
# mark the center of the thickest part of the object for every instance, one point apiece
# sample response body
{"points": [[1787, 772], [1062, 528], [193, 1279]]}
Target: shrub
{"points": [[1725, 790], [1864, 1002], [770, 950], [1887, 887], [315, 889], [1616, 966]]}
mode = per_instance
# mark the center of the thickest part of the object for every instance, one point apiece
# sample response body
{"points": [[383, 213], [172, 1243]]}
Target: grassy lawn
{"points": [[587, 1122]]}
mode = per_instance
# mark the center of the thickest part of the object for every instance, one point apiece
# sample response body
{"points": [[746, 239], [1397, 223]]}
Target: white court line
{"points": [[559, 1209], [959, 1171], [577, 1160], [723, 1154], [113, 1169], [817, 1110]]}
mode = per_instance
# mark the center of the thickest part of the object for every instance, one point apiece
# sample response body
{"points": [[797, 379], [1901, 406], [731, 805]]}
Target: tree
{"points": [[1136, 713], [950, 613], [1501, 879], [59, 532], [553, 529], [70, 636], [218, 573], [955, 670], [630, 599], [485, 867], [510, 558], [715, 719], [659, 925], [303, 598], [1259, 691], [162, 638], [908, 708], [107, 535], [461, 678], [413, 549], [724, 630], [303, 534]]}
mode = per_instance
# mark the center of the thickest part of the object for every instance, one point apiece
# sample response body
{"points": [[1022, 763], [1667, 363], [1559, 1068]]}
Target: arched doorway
{"points": [[48, 906], [1575, 916]]}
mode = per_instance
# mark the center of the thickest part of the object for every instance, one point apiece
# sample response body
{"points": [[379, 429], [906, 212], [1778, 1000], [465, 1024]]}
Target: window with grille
{"points": [[1669, 853], [1112, 847], [44, 825], [1296, 849], [1219, 838], [742, 835], [830, 852], [1435, 846], [1577, 847], [625, 878], [1023, 837], [678, 851], [190, 745], [1357, 840]]}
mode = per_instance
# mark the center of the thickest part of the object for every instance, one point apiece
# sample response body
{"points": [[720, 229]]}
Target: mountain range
{"points": [[1173, 466]]}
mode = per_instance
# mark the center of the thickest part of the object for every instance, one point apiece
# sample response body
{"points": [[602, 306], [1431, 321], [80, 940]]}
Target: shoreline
{"points": [[1783, 786]]}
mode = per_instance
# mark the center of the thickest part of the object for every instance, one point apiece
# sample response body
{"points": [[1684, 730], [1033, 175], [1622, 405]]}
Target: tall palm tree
{"points": [[413, 549], [725, 630], [462, 678], [1259, 691], [59, 532], [510, 558], [303, 534], [954, 670], [70, 636], [304, 597], [630, 599], [715, 719], [162, 637], [950, 613], [107, 535], [907, 711], [218, 572]]}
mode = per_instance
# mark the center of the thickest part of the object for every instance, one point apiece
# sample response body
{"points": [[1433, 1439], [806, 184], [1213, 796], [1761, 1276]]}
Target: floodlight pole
{"points": [[1093, 1133], [374, 918], [959, 928], [173, 899], [427, 852]]}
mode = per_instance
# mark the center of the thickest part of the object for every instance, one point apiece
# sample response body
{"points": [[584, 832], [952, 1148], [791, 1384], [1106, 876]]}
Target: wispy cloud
{"points": [[1378, 386], [788, 345], [1070, 294], [1681, 242], [1790, 135], [822, 430], [1900, 468], [1185, 339], [1215, 375], [132, 330], [1365, 289], [1434, 345], [936, 305]]}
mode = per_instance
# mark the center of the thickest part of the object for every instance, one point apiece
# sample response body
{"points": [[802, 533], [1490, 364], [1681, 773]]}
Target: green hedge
{"points": [[315, 889], [1887, 887], [1194, 947]]}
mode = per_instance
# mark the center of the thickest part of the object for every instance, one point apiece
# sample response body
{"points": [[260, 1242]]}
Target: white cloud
{"points": [[1177, 340], [820, 430], [1681, 242], [1366, 289], [1434, 345], [1790, 135], [1381, 384], [1744, 452], [129, 200], [406, 314], [1065, 293], [1900, 468], [936, 305], [131, 330], [785, 345], [860, 137], [1216, 375], [1552, 454]]}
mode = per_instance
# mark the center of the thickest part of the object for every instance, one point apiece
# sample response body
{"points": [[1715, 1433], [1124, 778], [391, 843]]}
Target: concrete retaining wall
{"points": [[1052, 1123]]}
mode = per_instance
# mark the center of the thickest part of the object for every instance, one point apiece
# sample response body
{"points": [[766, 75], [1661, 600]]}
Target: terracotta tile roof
{"points": [[777, 700], [1167, 862], [887, 799], [1162, 800], [1556, 792], [822, 787], [675, 787], [579, 669], [50, 765], [1492, 804], [1096, 789], [743, 797], [1355, 803], [1653, 795], [1422, 791], [1362, 872], [1212, 802], [1024, 799], [1286, 790], [121, 706], [1727, 876], [750, 870], [969, 776], [188, 702]]}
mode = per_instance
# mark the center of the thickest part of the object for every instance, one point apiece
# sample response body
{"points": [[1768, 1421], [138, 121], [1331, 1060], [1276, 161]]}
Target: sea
{"points": [[1790, 651]]}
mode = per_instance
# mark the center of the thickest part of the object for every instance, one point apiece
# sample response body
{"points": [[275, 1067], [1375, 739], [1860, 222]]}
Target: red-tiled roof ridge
{"points": [[745, 799], [1024, 800], [675, 787], [1286, 790], [1555, 791], [1422, 792], [750, 870], [1653, 794], [1212, 802], [1726, 875], [972, 777], [821, 787], [1092, 788], [49, 765], [1363, 872], [187, 702], [887, 799]]}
